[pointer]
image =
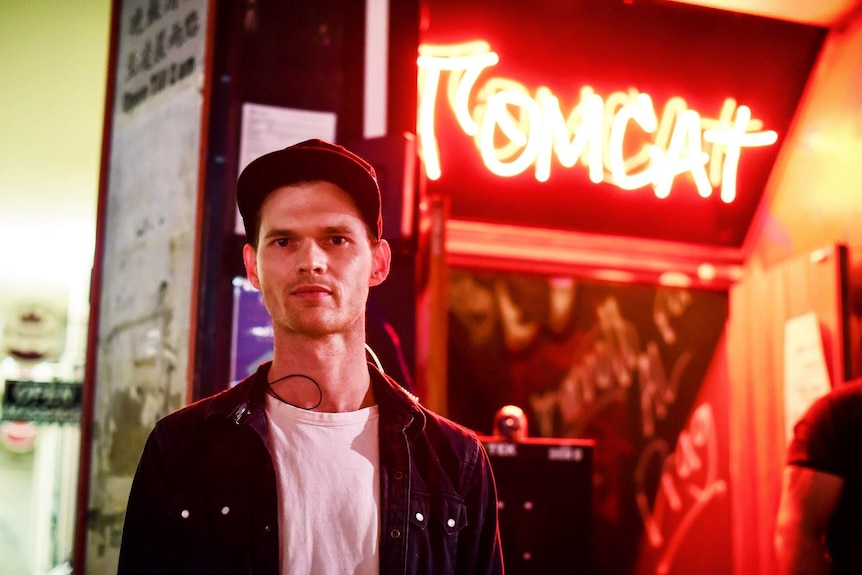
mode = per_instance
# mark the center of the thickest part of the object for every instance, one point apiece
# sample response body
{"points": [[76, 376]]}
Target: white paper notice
{"points": [[269, 128], [805, 375]]}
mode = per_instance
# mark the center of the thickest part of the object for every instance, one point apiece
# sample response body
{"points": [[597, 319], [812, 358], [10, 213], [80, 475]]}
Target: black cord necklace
{"points": [[272, 392]]}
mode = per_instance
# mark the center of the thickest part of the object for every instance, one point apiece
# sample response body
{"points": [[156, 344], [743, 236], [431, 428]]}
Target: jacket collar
{"points": [[244, 397], [396, 403], [248, 397]]}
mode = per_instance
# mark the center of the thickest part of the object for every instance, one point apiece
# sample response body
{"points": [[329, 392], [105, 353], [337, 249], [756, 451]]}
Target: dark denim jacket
{"points": [[204, 496]]}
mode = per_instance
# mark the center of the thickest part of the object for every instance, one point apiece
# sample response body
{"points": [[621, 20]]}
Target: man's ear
{"points": [[381, 255], [249, 258]]}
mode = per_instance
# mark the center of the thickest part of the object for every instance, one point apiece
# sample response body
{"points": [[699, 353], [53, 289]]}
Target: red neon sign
{"points": [[515, 130]]}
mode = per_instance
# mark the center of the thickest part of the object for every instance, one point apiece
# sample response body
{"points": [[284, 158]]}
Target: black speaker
{"points": [[395, 162], [544, 489]]}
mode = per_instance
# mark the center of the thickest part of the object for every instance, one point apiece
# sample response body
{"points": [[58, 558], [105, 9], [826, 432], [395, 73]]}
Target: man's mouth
{"points": [[311, 290]]}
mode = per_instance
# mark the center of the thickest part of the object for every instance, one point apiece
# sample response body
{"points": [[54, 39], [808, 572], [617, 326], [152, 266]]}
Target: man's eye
{"points": [[282, 242], [338, 240]]}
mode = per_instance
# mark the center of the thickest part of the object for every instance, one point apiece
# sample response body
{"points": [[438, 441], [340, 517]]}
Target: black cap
{"points": [[307, 161]]}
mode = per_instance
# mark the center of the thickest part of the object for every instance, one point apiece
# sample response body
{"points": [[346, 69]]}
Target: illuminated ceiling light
{"points": [[675, 279], [706, 272], [613, 276]]}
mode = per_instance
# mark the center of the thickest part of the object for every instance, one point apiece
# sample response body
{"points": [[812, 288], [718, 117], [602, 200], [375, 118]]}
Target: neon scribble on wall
{"points": [[621, 364]]}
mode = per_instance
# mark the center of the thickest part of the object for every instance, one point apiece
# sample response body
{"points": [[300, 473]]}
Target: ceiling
{"points": [[826, 13]]}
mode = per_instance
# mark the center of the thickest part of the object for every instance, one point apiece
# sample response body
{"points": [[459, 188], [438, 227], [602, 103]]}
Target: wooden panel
{"points": [[432, 311], [760, 306]]}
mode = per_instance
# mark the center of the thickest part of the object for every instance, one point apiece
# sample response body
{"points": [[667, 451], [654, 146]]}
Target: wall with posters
{"points": [[289, 71]]}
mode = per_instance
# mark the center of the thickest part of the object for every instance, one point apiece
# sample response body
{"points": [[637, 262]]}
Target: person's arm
{"points": [[144, 545], [808, 499]]}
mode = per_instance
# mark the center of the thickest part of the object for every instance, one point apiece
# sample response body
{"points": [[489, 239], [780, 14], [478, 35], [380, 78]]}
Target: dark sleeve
{"points": [[145, 545], [821, 436], [482, 552]]}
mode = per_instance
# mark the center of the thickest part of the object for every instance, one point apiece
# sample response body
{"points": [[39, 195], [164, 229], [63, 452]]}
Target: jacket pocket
{"points": [[229, 519], [435, 523], [184, 515], [209, 520], [447, 513], [210, 533]]}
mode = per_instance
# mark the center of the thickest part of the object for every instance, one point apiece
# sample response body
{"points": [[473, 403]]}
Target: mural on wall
{"points": [[621, 364], [149, 258]]}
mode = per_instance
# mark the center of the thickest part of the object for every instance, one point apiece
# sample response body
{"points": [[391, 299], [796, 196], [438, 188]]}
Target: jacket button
{"points": [[184, 513], [451, 523], [225, 510], [420, 518], [267, 528], [399, 475], [395, 534]]}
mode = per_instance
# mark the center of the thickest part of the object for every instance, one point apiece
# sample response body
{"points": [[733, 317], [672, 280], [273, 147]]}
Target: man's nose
{"points": [[311, 258]]}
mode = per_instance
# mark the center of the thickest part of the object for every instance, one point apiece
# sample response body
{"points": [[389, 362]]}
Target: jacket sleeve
{"points": [[145, 545], [482, 552]]}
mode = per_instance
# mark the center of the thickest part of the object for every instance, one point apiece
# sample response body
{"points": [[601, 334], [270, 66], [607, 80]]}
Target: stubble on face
{"points": [[314, 262]]}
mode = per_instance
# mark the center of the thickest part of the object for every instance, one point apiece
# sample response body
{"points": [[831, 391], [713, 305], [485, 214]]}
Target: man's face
{"points": [[314, 262]]}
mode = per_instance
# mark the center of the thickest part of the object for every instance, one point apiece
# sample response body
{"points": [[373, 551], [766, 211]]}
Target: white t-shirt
{"points": [[328, 471]]}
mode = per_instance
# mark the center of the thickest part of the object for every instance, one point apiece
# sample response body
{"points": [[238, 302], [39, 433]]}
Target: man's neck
{"points": [[334, 374]]}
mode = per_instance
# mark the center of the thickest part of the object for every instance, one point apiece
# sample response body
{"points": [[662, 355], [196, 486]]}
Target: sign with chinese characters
{"points": [[42, 401], [160, 47], [579, 117]]}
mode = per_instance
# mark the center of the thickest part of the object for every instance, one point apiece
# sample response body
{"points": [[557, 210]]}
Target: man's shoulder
{"points": [[444, 423], [828, 437], [850, 392], [221, 404], [843, 399], [446, 434], [842, 406], [406, 400]]}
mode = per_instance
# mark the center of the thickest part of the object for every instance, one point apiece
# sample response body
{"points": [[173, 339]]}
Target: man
{"points": [[318, 463], [819, 526]]}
